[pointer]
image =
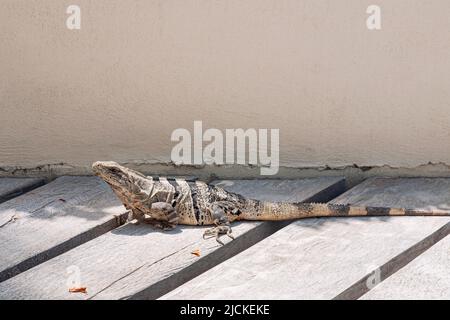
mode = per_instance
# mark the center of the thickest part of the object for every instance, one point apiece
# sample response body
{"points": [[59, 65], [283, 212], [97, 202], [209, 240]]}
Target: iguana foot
{"points": [[217, 232], [158, 224]]}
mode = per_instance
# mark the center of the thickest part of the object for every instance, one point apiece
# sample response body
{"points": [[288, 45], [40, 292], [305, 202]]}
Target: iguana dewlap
{"points": [[165, 203]]}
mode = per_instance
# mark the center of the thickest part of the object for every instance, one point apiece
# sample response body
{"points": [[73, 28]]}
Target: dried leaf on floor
{"points": [[78, 290], [196, 253]]}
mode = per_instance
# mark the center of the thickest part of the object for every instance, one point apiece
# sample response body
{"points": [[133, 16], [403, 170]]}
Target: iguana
{"points": [[164, 203]]}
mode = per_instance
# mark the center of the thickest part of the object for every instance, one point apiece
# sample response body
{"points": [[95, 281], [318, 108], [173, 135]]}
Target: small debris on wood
{"points": [[78, 290], [62, 200], [13, 218], [196, 253]]}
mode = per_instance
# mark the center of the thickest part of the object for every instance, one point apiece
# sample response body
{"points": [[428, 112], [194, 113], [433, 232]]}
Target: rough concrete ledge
{"points": [[354, 174]]}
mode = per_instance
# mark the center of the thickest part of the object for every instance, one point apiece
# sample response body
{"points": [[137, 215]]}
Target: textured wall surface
{"points": [[139, 69]]}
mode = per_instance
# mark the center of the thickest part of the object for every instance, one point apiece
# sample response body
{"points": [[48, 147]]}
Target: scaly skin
{"points": [[165, 203]]}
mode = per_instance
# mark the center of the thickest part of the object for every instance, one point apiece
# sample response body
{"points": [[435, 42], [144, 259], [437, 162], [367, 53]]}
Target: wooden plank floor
{"points": [[53, 219], [13, 187], [139, 262], [332, 257]]}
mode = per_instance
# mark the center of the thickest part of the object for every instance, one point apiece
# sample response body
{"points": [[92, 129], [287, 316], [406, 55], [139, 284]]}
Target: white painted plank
{"points": [[331, 257], [52, 219], [135, 261]]}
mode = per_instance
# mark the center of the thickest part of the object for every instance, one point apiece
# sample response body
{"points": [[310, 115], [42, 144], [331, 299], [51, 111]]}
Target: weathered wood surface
{"points": [[135, 261], [332, 257], [54, 218], [13, 187], [426, 277]]}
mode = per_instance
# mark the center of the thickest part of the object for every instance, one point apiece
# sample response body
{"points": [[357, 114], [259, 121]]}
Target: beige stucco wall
{"points": [[138, 69]]}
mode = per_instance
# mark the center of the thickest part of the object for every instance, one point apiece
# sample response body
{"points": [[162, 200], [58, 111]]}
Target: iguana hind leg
{"points": [[216, 233], [221, 222], [222, 230], [218, 214]]}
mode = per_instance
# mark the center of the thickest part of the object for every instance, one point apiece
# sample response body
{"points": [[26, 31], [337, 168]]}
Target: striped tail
{"points": [[274, 211]]}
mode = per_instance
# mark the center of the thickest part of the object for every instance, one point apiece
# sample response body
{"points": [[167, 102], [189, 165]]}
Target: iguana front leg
{"points": [[162, 216], [158, 224]]}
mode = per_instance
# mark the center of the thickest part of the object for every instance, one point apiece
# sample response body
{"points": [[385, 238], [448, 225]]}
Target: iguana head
{"points": [[140, 194], [136, 191], [118, 176]]}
